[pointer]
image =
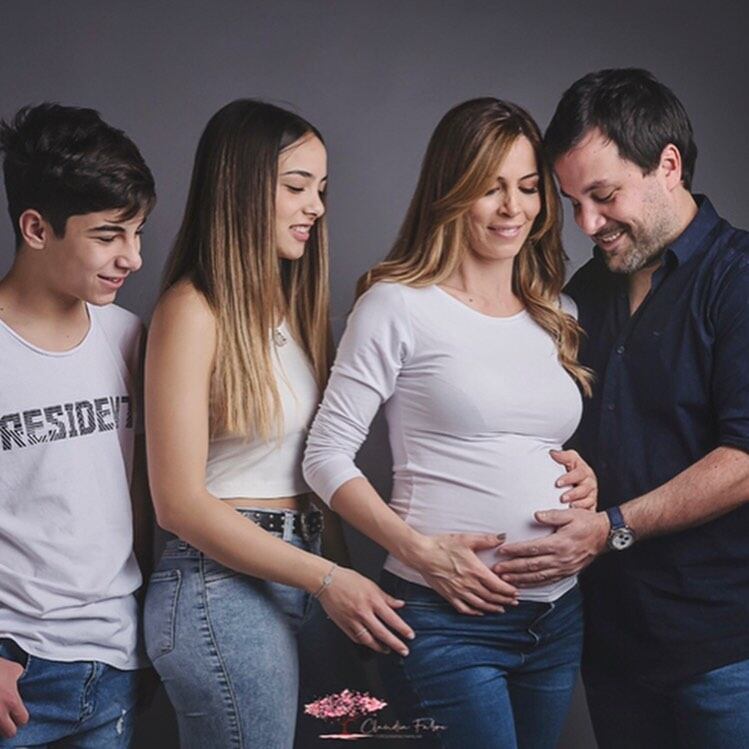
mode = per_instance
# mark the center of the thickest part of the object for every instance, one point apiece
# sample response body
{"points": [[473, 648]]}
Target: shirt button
{"points": [[620, 349], [610, 406]]}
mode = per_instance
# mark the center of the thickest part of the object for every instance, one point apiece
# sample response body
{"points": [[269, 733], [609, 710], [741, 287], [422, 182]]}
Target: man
{"points": [[78, 194], [664, 304]]}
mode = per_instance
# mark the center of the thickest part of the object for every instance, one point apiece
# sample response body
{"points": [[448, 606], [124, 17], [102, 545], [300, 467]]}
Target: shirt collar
{"points": [[689, 241]]}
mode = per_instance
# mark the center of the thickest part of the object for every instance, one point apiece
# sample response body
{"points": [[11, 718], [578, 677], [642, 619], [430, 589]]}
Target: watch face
{"points": [[621, 538]]}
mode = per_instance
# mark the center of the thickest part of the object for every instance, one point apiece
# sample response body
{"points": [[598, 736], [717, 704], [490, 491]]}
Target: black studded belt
{"points": [[304, 524]]}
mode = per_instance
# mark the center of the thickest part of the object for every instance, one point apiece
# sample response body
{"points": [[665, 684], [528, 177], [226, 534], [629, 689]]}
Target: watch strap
{"points": [[615, 518]]}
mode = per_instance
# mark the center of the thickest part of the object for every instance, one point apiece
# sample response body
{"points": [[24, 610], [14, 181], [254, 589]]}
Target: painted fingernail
{"points": [[501, 536], [404, 652], [411, 635], [386, 650]]}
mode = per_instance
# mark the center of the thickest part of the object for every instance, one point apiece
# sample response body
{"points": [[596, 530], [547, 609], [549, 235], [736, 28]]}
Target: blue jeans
{"points": [[225, 646], [78, 705], [497, 681], [709, 711]]}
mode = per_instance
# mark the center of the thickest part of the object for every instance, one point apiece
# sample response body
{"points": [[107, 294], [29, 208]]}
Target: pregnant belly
{"points": [[498, 497]]}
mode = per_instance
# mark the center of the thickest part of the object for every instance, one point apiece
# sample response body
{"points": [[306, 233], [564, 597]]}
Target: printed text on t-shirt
{"points": [[37, 426]]}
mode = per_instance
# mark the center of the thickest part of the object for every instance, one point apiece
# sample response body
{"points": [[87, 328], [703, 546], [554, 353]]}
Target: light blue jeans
{"points": [[225, 646], [76, 705]]}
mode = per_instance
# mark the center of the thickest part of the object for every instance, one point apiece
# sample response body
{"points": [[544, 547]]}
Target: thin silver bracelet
{"points": [[325, 581]]}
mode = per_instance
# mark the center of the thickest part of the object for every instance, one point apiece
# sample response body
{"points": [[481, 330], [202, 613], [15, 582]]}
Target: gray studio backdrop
{"points": [[375, 77]]}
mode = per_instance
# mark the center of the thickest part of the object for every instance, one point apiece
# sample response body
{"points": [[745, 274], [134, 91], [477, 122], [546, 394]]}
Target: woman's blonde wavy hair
{"points": [[226, 246], [459, 167]]}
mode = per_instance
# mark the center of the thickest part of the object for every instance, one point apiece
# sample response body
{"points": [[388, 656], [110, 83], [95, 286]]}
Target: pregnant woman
{"points": [[463, 335]]}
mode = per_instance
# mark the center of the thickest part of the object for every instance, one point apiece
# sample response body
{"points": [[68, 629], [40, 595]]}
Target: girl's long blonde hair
{"points": [[460, 165], [226, 246]]}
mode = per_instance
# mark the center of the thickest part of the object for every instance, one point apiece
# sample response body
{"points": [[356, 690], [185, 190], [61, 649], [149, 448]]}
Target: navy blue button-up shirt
{"points": [[672, 385]]}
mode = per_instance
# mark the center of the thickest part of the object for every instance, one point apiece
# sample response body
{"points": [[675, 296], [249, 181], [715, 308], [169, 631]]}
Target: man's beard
{"points": [[646, 242], [643, 250]]}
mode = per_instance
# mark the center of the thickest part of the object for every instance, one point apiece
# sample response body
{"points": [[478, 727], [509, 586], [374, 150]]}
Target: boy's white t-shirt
{"points": [[67, 426]]}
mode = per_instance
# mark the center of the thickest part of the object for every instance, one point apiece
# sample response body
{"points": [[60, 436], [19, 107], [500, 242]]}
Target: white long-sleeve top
{"points": [[473, 403]]}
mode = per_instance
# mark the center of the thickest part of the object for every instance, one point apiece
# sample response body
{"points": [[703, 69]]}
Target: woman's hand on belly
{"points": [[449, 564], [580, 476]]}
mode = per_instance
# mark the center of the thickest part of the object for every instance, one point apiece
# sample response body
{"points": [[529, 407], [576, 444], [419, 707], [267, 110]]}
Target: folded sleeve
{"points": [[375, 346], [730, 376]]}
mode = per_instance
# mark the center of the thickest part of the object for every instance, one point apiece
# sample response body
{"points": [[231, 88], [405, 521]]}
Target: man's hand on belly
{"points": [[579, 537], [580, 476]]}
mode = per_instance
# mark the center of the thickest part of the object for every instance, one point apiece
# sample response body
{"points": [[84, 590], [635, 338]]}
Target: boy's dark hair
{"points": [[633, 110], [66, 161]]}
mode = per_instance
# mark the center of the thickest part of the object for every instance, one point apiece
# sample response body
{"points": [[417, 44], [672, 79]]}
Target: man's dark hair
{"points": [[66, 161], [633, 110]]}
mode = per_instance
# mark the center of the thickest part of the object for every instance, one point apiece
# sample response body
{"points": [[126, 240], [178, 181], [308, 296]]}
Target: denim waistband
{"points": [[177, 547]]}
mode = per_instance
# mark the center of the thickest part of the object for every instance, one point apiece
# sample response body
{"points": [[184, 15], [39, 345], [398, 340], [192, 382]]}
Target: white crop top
{"points": [[240, 467], [474, 404]]}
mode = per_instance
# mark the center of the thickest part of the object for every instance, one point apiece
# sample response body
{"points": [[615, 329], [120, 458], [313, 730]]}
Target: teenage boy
{"points": [[664, 305], [78, 194]]}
